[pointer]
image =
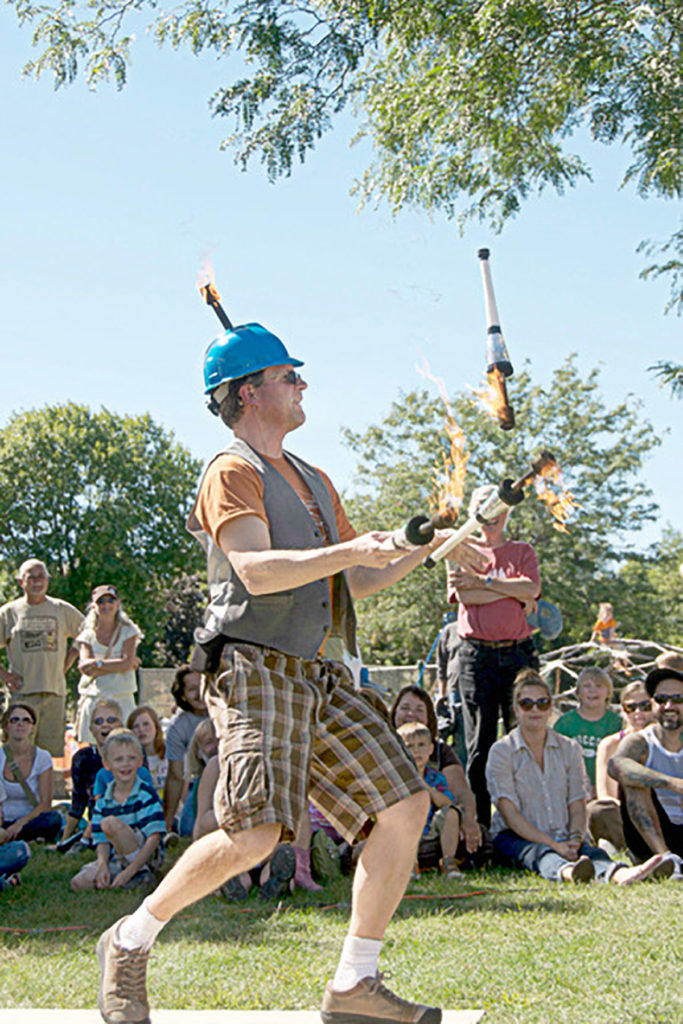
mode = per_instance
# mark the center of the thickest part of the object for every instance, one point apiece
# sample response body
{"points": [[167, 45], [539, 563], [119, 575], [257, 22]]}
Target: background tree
{"points": [[184, 603], [100, 498], [648, 592], [469, 106], [671, 374], [601, 451]]}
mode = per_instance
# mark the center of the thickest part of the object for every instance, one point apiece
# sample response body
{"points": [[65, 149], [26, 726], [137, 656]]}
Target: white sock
{"points": [[140, 930], [358, 960]]}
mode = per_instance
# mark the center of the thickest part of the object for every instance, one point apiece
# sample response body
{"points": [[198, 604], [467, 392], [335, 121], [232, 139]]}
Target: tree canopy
{"points": [[600, 449], [100, 498], [470, 105]]}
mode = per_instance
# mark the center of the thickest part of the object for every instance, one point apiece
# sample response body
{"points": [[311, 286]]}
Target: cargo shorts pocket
{"points": [[247, 785]]}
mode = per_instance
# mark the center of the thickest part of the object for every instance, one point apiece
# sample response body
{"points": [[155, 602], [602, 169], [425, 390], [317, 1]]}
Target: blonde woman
{"points": [[108, 641]]}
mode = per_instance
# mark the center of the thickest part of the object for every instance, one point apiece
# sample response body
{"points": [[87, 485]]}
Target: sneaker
{"points": [[233, 890], [282, 868], [122, 997], [451, 868], [581, 870], [370, 1001], [324, 857]]}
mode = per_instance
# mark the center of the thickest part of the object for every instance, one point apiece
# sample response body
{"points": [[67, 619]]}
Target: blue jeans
{"points": [[13, 857], [47, 825], [544, 861]]}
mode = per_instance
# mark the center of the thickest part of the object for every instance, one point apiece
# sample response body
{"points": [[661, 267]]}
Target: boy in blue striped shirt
{"points": [[127, 823]]}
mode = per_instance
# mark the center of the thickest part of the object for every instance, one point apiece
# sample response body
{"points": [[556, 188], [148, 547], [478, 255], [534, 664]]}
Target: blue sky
{"points": [[111, 200]]}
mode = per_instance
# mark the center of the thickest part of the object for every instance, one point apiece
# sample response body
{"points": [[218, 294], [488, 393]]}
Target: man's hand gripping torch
{"points": [[509, 493]]}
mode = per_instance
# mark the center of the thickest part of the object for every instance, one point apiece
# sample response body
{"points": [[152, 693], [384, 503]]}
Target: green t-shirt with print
{"points": [[588, 734]]}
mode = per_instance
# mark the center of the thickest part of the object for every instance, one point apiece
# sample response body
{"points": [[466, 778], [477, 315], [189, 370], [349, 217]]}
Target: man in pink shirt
{"points": [[495, 639]]}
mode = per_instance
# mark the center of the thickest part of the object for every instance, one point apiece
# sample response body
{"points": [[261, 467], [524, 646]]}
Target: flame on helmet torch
{"points": [[211, 296]]}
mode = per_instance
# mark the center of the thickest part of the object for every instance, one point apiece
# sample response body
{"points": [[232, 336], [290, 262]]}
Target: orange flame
{"points": [[492, 398], [551, 490], [206, 280], [448, 476]]}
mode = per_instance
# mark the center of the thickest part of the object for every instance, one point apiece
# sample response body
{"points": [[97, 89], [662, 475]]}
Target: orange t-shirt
{"points": [[232, 487]]}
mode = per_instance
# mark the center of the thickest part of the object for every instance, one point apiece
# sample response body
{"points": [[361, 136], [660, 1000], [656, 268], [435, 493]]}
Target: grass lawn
{"points": [[527, 951]]}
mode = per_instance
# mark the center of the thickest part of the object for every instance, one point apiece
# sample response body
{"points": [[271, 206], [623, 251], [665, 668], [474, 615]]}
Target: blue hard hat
{"points": [[547, 618], [243, 350]]}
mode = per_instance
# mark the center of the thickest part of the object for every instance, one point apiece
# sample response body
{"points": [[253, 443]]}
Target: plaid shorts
{"points": [[290, 730]]}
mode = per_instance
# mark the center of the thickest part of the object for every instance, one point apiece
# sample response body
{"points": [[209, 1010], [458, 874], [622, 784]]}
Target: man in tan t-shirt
{"points": [[35, 629]]}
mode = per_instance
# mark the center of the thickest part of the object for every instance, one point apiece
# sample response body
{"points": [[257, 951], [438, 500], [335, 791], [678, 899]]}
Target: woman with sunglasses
{"points": [[604, 814], [537, 781], [26, 773], [108, 640]]}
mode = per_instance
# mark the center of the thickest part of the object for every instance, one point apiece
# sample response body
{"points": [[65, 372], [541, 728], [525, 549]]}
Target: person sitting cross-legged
{"points": [[128, 821], [537, 781], [440, 838]]}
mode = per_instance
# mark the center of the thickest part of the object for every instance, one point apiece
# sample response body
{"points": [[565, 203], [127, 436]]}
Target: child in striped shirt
{"points": [[127, 823]]}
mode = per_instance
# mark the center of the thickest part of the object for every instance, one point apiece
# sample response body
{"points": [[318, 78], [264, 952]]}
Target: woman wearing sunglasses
{"points": [[108, 640], [537, 782], [26, 773], [604, 814]]}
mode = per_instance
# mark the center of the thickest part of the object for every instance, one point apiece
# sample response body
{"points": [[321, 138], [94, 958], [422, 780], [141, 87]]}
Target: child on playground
{"points": [[441, 835], [128, 821]]}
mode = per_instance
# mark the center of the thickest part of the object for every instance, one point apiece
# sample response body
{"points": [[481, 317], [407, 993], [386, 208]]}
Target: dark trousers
{"points": [[673, 834], [486, 678], [46, 825]]}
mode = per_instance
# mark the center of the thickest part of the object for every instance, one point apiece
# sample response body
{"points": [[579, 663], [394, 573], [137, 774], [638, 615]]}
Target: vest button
{"points": [[326, 604]]}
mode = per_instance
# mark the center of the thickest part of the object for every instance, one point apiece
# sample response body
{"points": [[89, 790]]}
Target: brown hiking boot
{"points": [[122, 998], [370, 1002]]}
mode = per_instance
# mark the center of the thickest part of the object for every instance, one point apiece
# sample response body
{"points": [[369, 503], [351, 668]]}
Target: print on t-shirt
{"points": [[42, 636]]}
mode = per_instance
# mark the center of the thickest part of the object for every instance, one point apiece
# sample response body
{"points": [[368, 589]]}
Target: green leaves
{"points": [[600, 450], [100, 498]]}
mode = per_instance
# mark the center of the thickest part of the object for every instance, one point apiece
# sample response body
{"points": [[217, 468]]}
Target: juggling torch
{"points": [[509, 493], [497, 359], [420, 530], [209, 293]]}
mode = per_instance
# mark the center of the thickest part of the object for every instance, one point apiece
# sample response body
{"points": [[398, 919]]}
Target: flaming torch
{"points": [[498, 361], [211, 297], [509, 493]]}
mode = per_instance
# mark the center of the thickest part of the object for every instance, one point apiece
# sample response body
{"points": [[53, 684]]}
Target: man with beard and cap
{"points": [[284, 566], [648, 766]]}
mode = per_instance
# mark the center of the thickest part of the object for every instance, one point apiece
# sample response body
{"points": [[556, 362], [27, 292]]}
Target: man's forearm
{"points": [[632, 773]]}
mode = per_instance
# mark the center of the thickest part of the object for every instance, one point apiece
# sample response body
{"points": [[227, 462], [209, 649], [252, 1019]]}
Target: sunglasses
{"points": [[630, 706], [290, 377], [106, 600], [542, 703], [15, 720], [109, 721], [664, 698]]}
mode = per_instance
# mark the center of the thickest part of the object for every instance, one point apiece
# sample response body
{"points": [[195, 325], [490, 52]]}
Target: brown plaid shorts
{"points": [[290, 730]]}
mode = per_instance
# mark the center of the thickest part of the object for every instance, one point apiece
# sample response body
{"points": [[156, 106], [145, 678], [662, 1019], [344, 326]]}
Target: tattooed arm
{"points": [[628, 767]]}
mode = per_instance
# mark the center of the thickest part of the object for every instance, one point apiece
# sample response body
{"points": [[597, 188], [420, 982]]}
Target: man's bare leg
{"points": [[641, 811], [384, 866]]}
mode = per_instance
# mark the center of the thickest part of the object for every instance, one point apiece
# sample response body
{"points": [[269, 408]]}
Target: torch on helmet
{"points": [[243, 350]]}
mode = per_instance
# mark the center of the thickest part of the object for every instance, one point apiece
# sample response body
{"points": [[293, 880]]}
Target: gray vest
{"points": [[293, 621]]}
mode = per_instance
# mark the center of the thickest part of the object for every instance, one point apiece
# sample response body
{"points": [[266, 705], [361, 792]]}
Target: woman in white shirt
{"points": [[26, 773], [108, 641]]}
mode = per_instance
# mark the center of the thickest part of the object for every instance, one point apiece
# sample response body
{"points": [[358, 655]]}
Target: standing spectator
{"points": [[86, 763], [26, 773], [593, 719], [186, 690], [648, 766], [537, 780], [128, 822], [144, 722], [107, 640], [495, 638], [36, 628]]}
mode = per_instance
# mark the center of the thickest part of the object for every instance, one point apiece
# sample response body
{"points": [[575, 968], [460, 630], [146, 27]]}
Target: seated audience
{"points": [[85, 765], [144, 722], [128, 822], [441, 834], [593, 719], [26, 773], [186, 689], [203, 746], [648, 765], [536, 778], [413, 704], [604, 815], [107, 641], [14, 854]]}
